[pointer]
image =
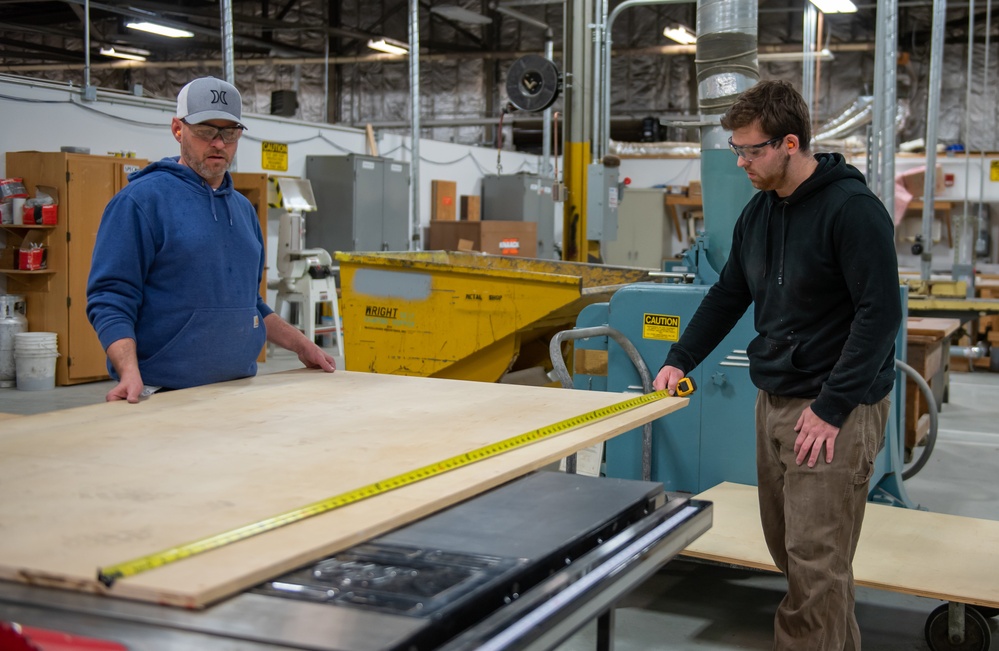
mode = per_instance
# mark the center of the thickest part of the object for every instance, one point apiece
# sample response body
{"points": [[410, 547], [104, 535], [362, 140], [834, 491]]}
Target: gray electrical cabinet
{"points": [[522, 197], [362, 203]]}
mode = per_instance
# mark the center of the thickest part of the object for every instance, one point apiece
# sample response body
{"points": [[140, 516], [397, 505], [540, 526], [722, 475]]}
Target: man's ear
{"points": [[175, 126], [792, 143]]}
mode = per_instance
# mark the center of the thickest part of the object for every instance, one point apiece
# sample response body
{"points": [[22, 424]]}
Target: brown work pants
{"points": [[812, 518]]}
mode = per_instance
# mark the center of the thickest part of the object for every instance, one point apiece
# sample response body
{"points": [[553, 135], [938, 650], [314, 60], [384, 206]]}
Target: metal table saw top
{"points": [[413, 588]]}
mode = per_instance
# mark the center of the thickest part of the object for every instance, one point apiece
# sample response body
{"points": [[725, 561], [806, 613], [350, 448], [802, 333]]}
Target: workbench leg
{"points": [[605, 631]]}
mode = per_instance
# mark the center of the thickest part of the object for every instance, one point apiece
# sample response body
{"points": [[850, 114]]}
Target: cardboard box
{"points": [[443, 196], [513, 238], [694, 189], [914, 180], [471, 208]]}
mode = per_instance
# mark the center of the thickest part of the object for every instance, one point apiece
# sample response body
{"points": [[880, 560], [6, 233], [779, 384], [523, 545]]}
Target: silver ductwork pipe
{"points": [[727, 65], [809, 39], [228, 65], [88, 90], [969, 352], [932, 118], [881, 171], [414, 90]]}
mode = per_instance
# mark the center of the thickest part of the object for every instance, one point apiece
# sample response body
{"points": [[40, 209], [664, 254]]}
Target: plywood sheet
{"points": [[902, 550], [100, 485]]}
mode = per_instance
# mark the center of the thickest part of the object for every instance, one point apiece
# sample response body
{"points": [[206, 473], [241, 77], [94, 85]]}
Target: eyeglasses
{"points": [[208, 133], [750, 152]]}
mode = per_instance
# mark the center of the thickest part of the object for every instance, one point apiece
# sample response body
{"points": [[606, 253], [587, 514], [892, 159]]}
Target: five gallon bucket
{"points": [[35, 356]]}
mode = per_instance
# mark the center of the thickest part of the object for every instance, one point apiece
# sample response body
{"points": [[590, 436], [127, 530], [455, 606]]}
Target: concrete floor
{"points": [[691, 605]]}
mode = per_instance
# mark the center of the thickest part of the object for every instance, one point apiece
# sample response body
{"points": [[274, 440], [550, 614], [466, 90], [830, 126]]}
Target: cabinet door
{"points": [[395, 215], [369, 179], [92, 183]]}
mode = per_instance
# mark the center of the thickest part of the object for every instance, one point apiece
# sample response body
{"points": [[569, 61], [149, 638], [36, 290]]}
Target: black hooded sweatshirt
{"points": [[821, 268]]}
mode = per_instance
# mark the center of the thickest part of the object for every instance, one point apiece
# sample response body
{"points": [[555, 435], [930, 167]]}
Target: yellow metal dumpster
{"points": [[463, 316]]}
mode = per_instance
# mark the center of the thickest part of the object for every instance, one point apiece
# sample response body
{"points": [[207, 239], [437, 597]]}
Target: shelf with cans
{"points": [[24, 254]]}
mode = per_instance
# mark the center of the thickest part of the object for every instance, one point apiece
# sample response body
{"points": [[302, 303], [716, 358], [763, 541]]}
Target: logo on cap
{"points": [[219, 96]]}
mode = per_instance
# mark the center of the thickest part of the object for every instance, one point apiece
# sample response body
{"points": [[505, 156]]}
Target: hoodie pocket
{"points": [[214, 345], [772, 364]]}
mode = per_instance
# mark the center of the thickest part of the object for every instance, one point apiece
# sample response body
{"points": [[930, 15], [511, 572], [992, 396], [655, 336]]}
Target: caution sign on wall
{"points": [[274, 156], [664, 327], [994, 170]]}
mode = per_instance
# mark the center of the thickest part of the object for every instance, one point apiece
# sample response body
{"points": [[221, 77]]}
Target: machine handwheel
{"points": [[977, 636]]}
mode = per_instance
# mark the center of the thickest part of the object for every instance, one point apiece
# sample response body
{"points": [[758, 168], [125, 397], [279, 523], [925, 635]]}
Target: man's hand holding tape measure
{"points": [[673, 380]]}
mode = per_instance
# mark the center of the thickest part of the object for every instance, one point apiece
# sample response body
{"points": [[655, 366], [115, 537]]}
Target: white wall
{"points": [[42, 116]]}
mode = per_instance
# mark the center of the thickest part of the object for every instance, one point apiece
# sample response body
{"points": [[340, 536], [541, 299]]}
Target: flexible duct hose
{"points": [[558, 367], [931, 436]]}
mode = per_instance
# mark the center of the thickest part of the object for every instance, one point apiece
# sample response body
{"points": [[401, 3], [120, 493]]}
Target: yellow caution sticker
{"points": [[664, 327], [274, 156], [994, 170]]}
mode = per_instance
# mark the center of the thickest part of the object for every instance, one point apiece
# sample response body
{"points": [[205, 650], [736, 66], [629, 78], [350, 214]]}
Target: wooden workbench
{"points": [[902, 550], [671, 201], [928, 352], [101, 485]]}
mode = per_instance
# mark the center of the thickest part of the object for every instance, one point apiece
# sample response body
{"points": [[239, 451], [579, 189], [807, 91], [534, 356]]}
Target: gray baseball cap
{"points": [[209, 98]]}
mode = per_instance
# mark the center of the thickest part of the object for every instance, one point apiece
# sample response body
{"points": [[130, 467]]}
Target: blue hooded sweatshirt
{"points": [[177, 267]]}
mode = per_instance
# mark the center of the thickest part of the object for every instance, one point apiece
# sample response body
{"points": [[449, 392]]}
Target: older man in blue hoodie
{"points": [[174, 284]]}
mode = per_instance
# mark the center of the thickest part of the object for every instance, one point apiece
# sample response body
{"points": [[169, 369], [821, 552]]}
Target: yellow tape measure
{"points": [[108, 575]]}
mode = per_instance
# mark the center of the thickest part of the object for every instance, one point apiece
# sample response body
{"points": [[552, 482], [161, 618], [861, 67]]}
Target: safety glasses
{"points": [[229, 135], [750, 152]]}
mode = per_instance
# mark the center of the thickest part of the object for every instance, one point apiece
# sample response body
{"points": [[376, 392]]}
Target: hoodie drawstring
{"points": [[783, 223]]}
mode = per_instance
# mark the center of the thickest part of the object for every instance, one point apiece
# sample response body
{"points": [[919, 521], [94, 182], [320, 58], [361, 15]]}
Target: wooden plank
{"points": [[590, 362], [902, 550], [103, 484], [931, 327]]}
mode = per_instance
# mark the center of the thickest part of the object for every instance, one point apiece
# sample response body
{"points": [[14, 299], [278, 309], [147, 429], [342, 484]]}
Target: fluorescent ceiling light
{"points": [[389, 46], [821, 55], [680, 34], [461, 15], [111, 52], [162, 30], [835, 6]]}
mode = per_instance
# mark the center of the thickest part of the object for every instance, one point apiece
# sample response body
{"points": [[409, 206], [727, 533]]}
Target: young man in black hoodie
{"points": [[815, 251]]}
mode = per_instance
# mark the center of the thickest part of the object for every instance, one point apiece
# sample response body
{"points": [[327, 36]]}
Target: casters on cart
{"points": [[957, 627]]}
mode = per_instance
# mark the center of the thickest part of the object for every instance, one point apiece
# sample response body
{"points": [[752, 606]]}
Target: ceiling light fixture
{"points": [[111, 52], [680, 34], [388, 45], [162, 30], [461, 15], [821, 55], [835, 6]]}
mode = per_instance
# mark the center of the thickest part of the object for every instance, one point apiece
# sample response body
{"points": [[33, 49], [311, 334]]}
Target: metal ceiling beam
{"points": [[197, 29]]}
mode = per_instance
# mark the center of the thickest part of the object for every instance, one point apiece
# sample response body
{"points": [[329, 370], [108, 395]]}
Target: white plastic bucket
{"points": [[35, 356]]}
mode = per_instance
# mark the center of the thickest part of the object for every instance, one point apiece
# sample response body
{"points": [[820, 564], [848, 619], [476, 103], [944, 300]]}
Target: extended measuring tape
{"points": [[108, 575]]}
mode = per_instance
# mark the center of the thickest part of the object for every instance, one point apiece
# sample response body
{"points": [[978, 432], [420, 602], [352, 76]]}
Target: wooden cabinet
{"points": [[253, 186], [57, 297]]}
